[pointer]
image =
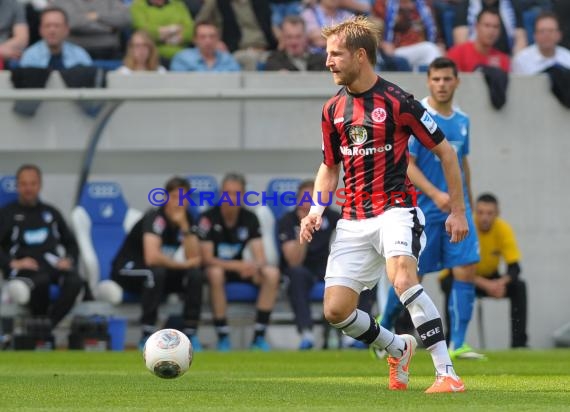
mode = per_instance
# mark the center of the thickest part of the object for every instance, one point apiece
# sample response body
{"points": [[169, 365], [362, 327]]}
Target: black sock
{"points": [[261, 322], [222, 328]]}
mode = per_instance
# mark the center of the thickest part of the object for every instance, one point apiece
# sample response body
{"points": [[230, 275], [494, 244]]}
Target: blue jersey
{"points": [[456, 129]]}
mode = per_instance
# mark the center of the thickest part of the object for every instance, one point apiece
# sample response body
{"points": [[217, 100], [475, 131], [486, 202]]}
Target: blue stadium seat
{"points": [[241, 292], [318, 292], [101, 221], [207, 186], [278, 187], [8, 193]]}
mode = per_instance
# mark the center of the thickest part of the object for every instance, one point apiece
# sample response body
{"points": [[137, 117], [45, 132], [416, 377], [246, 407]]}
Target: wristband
{"points": [[317, 209]]}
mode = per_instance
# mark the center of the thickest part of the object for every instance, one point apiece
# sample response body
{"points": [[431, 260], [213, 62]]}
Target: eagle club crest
{"points": [[358, 135], [378, 115]]}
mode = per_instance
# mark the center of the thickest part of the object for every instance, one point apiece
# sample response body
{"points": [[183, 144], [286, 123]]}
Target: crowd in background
{"points": [[272, 35]]}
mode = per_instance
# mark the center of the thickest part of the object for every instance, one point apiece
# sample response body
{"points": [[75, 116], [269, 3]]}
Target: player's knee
{"points": [[403, 283], [405, 276], [216, 276], [335, 314], [270, 275]]}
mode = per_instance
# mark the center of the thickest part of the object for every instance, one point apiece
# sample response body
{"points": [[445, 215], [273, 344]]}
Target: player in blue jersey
{"points": [[426, 173]]}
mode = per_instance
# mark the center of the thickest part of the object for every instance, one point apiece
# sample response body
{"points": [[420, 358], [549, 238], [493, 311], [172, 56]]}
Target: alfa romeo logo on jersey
{"points": [[358, 135], [378, 115]]}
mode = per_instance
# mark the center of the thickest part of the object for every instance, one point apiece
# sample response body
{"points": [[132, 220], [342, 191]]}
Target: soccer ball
{"points": [[167, 353]]}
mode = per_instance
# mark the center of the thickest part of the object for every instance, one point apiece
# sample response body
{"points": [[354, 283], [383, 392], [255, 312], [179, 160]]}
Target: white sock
{"points": [[441, 359], [427, 321], [307, 335], [392, 343]]}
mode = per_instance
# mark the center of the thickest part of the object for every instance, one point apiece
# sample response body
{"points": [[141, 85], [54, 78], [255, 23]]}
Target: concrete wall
{"points": [[518, 152]]}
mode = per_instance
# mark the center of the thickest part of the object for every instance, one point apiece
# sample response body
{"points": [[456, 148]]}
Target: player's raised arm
{"points": [[456, 223], [325, 184]]}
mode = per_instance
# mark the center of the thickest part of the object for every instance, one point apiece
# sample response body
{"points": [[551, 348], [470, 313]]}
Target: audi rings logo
{"points": [[103, 190]]}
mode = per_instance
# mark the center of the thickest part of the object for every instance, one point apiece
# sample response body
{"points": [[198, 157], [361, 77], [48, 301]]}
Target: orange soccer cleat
{"points": [[446, 384], [399, 367]]}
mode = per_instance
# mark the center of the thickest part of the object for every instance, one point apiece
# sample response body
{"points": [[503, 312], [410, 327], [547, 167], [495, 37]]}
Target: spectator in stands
{"points": [[410, 31], [54, 51], [512, 35], [295, 55], [496, 241], [245, 27], [480, 52], [562, 10], [14, 35], [226, 230], [304, 264], [205, 57], [392, 63], [142, 55], [194, 7], [545, 52], [33, 10], [357, 6], [146, 262], [168, 22], [96, 25], [38, 249], [324, 13], [444, 13], [280, 9]]}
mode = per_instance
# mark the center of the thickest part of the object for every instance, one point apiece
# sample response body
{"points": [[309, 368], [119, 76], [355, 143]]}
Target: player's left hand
{"points": [[456, 226], [309, 224]]}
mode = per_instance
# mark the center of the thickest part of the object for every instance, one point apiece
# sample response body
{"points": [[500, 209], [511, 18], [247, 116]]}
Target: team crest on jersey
{"points": [[204, 226], [47, 217], [242, 233], [378, 115], [358, 135], [158, 225]]}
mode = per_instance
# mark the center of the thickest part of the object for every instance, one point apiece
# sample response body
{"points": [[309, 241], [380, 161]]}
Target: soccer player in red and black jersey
{"points": [[366, 127]]}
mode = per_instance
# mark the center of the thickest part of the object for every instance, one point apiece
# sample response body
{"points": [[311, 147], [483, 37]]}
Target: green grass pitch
{"points": [[277, 381]]}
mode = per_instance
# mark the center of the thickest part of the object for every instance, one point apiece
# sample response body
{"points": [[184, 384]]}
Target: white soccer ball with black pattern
{"points": [[167, 353]]}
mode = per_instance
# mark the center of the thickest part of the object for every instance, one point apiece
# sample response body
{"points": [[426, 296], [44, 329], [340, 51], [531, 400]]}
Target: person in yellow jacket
{"points": [[497, 242]]}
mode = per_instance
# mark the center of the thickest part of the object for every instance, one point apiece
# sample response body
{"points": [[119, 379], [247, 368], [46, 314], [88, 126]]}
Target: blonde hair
{"points": [[152, 62], [359, 33]]}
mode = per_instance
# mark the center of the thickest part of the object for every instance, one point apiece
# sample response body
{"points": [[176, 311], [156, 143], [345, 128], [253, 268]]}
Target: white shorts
{"points": [[360, 249]]}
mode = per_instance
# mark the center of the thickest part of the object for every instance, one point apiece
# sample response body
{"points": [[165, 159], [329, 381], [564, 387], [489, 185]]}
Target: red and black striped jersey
{"points": [[369, 133]]}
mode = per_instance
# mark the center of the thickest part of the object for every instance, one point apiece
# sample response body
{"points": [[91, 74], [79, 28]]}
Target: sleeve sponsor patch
{"points": [[428, 122]]}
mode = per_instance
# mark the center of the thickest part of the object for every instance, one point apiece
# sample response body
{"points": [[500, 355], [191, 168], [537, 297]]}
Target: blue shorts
{"points": [[440, 253]]}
